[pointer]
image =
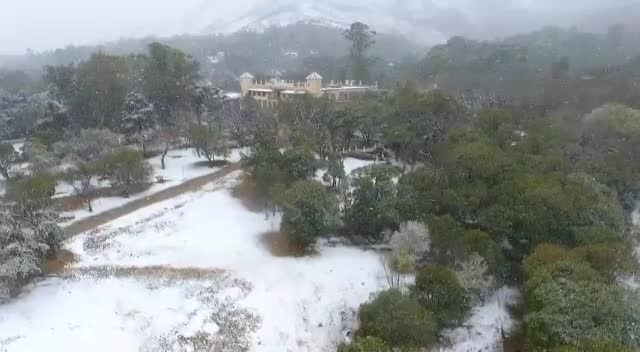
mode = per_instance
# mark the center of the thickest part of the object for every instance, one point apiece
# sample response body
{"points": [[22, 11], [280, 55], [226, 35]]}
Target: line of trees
{"points": [[493, 199]]}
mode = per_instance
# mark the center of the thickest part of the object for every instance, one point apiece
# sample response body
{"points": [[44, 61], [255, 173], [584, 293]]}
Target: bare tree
{"points": [[165, 138], [393, 277], [80, 179], [474, 277], [408, 244], [7, 156]]}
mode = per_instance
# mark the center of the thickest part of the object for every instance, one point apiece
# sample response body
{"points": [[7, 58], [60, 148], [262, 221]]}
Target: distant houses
{"points": [[269, 93]]}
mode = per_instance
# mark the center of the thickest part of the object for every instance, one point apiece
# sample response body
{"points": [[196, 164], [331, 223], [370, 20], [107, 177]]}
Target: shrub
{"points": [[546, 254], [438, 290], [408, 245], [475, 278], [569, 302], [595, 235], [446, 236], [299, 163], [398, 320], [33, 193], [365, 344], [7, 156], [24, 242], [208, 141], [126, 168], [594, 345], [309, 211], [610, 260], [372, 210], [476, 241]]}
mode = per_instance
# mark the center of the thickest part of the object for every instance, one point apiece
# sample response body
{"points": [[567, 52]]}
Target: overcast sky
{"points": [[49, 24]]}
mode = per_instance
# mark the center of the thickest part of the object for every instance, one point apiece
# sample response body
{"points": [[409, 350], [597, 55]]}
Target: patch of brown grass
{"points": [[280, 245], [156, 272], [246, 193], [58, 263]]}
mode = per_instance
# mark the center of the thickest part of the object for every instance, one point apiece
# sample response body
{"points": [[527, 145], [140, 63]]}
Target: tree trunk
{"points": [[4, 172], [164, 154], [89, 204]]}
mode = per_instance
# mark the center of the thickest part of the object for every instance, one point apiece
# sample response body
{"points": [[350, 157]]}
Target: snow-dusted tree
{"points": [[164, 138], [139, 120], [40, 159], [88, 145], [127, 168], [408, 245], [55, 116], [24, 243], [33, 193], [474, 100], [80, 178], [335, 168], [209, 140], [474, 277], [7, 156], [240, 117]]}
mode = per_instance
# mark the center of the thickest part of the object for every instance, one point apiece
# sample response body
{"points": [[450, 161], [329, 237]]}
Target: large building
{"points": [[269, 93]]}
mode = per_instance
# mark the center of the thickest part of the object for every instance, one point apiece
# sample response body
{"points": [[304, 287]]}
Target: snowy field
{"points": [[193, 271], [181, 165], [174, 271]]}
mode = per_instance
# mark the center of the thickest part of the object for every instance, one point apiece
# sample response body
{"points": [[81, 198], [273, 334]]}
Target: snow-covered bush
{"points": [[40, 159], [398, 320], [127, 168], [366, 344], [89, 144], [7, 156], [408, 244], [474, 277], [23, 246], [33, 193]]}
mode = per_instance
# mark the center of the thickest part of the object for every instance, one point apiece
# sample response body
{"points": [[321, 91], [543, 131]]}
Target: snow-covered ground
{"points": [[194, 270], [181, 165], [169, 270], [482, 332]]}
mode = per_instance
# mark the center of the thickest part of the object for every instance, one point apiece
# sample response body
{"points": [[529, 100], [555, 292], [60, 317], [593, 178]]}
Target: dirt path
{"points": [[192, 185]]}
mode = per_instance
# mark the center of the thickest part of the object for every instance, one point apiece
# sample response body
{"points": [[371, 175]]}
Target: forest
{"points": [[496, 163]]}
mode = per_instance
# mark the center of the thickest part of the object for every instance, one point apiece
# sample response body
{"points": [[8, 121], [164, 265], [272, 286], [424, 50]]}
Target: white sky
{"points": [[48, 24]]}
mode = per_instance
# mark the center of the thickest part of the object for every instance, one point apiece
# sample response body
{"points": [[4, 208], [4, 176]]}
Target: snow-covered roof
{"points": [[349, 88], [233, 95], [314, 75], [290, 91], [246, 75]]}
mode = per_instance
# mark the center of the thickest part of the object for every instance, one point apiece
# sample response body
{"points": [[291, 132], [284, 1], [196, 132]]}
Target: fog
{"points": [[45, 24]]}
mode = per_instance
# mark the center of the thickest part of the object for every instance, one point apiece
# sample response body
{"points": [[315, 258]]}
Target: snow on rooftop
{"points": [[290, 91], [246, 75], [349, 88], [314, 75], [233, 95]]}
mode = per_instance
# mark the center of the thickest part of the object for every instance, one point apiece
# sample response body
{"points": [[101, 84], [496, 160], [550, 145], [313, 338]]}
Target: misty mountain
{"points": [[427, 21]]}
